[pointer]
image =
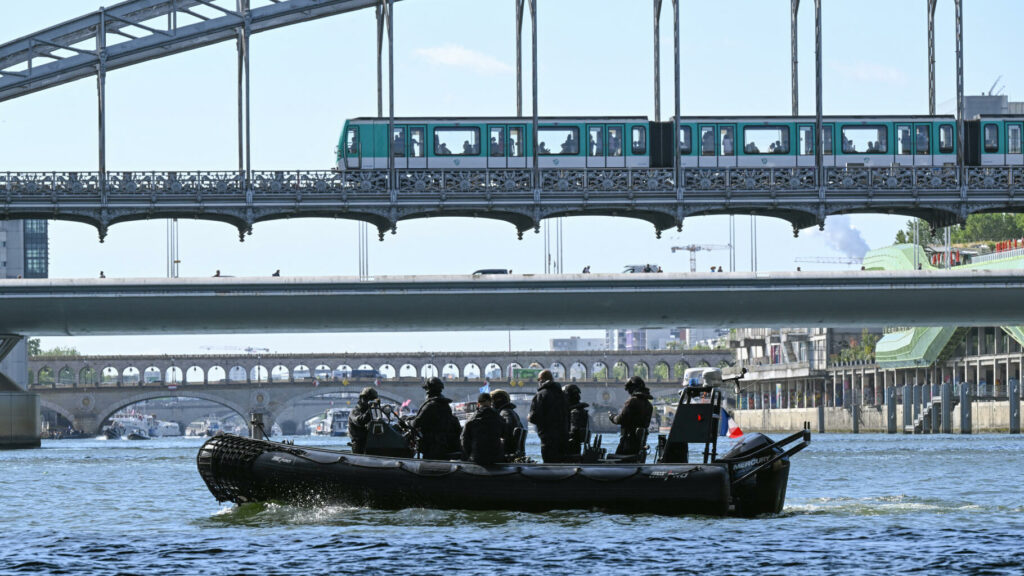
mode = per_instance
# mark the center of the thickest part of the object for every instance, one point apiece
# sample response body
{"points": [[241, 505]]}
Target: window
{"points": [[595, 144], [352, 141], [707, 141], [924, 138], [398, 142], [766, 140], [497, 147], [946, 139], [826, 139], [416, 142], [864, 140], [456, 141], [726, 134], [639, 140], [556, 141], [991, 138], [1013, 139], [685, 140], [806, 140], [615, 140], [903, 140], [515, 142]]}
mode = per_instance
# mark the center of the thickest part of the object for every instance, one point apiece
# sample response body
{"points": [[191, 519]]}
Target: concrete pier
{"points": [[19, 420]]}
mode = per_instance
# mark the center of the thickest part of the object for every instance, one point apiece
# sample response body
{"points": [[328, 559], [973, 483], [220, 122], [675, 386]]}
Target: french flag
{"points": [[728, 426]]}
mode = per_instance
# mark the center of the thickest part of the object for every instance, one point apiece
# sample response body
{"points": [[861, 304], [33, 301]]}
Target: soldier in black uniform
{"points": [[636, 413], [481, 437], [549, 412], [359, 420], [436, 424], [510, 422], [579, 421]]}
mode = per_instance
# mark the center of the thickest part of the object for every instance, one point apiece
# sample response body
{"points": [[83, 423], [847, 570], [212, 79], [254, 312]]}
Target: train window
{"points": [[707, 141], [946, 139], [497, 147], [398, 142], [557, 141], [826, 139], [595, 146], [416, 142], [903, 146], [924, 137], [459, 141], [864, 140], [806, 140], [685, 140], [515, 142], [1013, 139], [615, 140], [639, 140], [728, 138], [766, 140], [352, 140], [991, 138]]}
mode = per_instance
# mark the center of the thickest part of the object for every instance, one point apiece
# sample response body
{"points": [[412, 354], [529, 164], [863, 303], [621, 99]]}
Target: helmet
{"points": [[433, 385], [635, 383], [500, 397], [368, 394], [572, 392]]}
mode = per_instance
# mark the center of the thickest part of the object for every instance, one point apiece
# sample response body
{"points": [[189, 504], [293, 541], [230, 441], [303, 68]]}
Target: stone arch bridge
{"points": [[87, 390]]}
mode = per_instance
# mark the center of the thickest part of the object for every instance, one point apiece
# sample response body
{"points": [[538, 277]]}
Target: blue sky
{"points": [[457, 57]]}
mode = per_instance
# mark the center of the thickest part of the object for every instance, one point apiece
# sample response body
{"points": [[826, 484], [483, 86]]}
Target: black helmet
{"points": [[635, 383], [572, 392], [368, 394], [433, 385]]}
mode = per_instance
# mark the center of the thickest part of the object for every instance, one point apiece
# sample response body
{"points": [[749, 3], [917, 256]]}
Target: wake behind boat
{"points": [[749, 480]]}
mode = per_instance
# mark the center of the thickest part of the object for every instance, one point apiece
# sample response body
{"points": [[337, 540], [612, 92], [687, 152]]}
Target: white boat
{"points": [[334, 423], [206, 427]]}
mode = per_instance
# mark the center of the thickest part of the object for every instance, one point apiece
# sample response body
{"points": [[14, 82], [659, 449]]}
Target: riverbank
{"points": [[986, 417]]}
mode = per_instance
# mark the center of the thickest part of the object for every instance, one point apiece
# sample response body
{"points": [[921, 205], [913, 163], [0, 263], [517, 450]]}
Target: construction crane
{"points": [[694, 248], [830, 259]]}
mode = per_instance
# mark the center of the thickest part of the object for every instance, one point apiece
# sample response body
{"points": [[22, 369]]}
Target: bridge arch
{"points": [[106, 412], [407, 371], [387, 371], [428, 370], [642, 370], [662, 371], [65, 377], [279, 373], [217, 375], [492, 371], [557, 370], [195, 375], [679, 369], [450, 371], [88, 377], [578, 371], [47, 405], [471, 370]]}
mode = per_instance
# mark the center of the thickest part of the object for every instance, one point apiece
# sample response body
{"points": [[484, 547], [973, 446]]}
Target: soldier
{"points": [[434, 423], [636, 413], [549, 412], [481, 438], [359, 420], [510, 422], [579, 421]]}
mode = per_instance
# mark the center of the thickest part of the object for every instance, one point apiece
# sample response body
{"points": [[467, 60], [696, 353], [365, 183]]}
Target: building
{"points": [[577, 344], [640, 338], [24, 249], [990, 105]]}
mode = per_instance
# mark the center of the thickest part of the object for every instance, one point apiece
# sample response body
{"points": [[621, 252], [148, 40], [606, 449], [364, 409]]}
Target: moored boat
{"points": [[749, 480]]}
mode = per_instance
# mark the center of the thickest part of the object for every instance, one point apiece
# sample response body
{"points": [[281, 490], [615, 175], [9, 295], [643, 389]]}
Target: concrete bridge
{"points": [[87, 390]]}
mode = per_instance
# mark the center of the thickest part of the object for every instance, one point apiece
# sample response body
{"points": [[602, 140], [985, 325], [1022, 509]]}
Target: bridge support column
{"points": [[256, 429], [890, 410], [19, 420], [88, 423], [1014, 393], [965, 409], [908, 403], [855, 415], [821, 418], [947, 408]]}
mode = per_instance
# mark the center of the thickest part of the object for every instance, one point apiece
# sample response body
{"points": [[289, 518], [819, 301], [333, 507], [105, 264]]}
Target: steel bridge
{"points": [[136, 31]]}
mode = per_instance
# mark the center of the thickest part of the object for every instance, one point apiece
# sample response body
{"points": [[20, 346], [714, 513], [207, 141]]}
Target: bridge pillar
{"points": [[1014, 393], [965, 409], [890, 410], [821, 418], [908, 406], [19, 420], [88, 422], [947, 408]]}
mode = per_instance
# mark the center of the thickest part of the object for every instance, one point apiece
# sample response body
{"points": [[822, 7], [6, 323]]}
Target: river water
{"points": [[867, 504]]}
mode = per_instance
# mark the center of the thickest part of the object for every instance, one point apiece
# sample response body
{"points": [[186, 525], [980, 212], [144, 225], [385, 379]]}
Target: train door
{"points": [[946, 147], [616, 154], [727, 145], [1014, 154], [904, 145], [415, 148], [687, 159], [923, 144], [352, 148], [805, 146], [399, 138], [991, 155], [708, 145], [595, 146], [516, 147], [497, 144]]}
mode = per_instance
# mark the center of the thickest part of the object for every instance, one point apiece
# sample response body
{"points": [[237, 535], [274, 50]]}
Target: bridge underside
{"points": [[242, 199]]}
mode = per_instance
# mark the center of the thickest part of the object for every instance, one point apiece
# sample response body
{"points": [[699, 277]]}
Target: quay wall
{"points": [[988, 417], [19, 420]]}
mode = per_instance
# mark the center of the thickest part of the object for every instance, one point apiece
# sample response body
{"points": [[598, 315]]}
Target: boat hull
{"points": [[246, 470]]}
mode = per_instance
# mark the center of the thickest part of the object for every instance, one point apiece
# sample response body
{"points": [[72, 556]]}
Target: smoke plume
{"points": [[841, 235]]}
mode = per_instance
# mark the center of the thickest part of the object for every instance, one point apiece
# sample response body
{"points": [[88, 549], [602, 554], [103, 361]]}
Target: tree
{"points": [[619, 371], [33, 346], [978, 228], [661, 371], [924, 234]]}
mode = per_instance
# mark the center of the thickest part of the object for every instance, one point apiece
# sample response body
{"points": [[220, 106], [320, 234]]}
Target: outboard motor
{"points": [[759, 472]]}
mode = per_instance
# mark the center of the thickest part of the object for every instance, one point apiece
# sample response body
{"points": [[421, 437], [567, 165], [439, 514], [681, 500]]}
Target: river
{"points": [[866, 504]]}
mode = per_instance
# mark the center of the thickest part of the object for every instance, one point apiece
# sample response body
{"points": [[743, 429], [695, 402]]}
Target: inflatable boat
{"points": [[749, 480]]}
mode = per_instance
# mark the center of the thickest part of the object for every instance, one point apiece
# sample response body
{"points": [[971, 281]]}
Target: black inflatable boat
{"points": [[749, 480]]}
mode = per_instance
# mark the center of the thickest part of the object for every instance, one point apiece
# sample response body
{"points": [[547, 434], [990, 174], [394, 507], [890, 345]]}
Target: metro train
{"points": [[706, 142]]}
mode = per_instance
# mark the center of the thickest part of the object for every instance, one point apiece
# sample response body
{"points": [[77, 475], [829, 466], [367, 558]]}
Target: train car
{"points": [[635, 142], [439, 143], [994, 141]]}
